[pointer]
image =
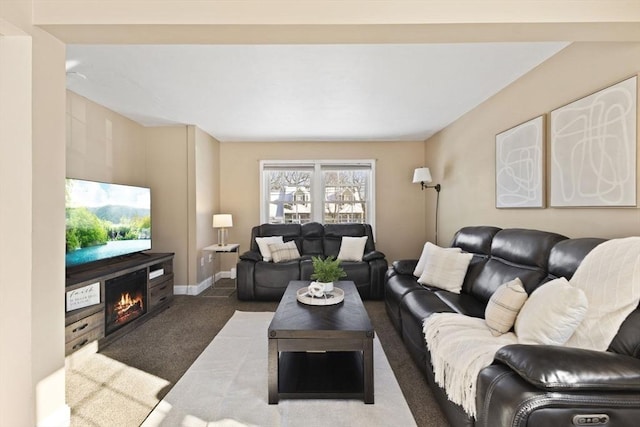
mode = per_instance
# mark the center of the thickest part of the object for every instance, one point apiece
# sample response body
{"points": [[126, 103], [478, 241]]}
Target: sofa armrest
{"points": [[372, 255], [251, 256], [555, 368], [405, 266]]}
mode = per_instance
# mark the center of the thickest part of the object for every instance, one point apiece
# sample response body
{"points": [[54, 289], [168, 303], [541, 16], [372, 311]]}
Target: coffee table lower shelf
{"points": [[321, 375]]}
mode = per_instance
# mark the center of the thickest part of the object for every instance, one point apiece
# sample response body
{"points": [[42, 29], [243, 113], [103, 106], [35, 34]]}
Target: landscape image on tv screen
{"points": [[105, 220]]}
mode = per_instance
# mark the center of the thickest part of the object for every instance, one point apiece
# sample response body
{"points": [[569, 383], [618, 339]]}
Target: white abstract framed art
{"points": [[520, 165], [593, 143]]}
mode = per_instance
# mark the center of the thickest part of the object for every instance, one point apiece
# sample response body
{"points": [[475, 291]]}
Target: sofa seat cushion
{"points": [[460, 347], [414, 308], [463, 303], [276, 275], [395, 289], [358, 272]]}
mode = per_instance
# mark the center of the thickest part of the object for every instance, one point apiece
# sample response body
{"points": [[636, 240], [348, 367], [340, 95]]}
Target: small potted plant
{"points": [[326, 271]]}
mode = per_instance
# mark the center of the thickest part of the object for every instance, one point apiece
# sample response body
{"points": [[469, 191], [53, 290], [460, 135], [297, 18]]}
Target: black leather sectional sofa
{"points": [[267, 281], [525, 386]]}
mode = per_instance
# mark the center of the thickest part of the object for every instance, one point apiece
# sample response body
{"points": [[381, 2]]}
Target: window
{"points": [[329, 192]]}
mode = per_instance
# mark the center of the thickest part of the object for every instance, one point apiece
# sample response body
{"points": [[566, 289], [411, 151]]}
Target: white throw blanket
{"points": [[461, 346], [610, 278]]}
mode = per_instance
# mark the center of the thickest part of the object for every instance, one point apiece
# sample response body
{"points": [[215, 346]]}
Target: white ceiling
{"points": [[341, 92]]}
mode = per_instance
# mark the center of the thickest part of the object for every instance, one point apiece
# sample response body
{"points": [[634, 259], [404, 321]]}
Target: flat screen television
{"points": [[105, 220]]}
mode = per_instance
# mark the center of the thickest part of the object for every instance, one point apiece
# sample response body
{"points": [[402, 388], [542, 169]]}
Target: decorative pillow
{"points": [[281, 252], [551, 314], [263, 244], [423, 258], [352, 248], [445, 269], [503, 307]]}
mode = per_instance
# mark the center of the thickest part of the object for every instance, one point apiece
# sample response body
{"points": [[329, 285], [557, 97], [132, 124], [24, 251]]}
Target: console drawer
{"points": [[91, 335], [82, 326], [160, 293]]}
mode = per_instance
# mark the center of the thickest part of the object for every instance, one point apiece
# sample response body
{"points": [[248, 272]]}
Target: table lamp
{"points": [[222, 222]]}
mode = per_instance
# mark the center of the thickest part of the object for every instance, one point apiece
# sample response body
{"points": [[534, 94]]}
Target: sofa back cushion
{"points": [[476, 239], [627, 340], [567, 255], [312, 236], [525, 247], [333, 234], [287, 231], [514, 253]]}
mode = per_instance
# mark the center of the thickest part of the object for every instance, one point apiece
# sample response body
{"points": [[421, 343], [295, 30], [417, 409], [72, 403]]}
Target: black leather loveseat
{"points": [[527, 385], [267, 281]]}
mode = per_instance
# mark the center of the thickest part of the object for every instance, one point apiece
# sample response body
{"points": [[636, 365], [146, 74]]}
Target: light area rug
{"points": [[227, 386]]}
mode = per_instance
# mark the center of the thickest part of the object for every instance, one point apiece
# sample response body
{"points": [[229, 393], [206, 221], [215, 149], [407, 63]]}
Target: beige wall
{"points": [[32, 382], [462, 156], [167, 156], [400, 205], [207, 191], [48, 223], [103, 145], [178, 163], [16, 388]]}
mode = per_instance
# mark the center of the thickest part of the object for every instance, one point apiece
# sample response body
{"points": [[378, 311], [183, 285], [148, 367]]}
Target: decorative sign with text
{"points": [[83, 297]]}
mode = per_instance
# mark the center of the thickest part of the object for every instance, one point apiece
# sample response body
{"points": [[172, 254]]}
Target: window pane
{"points": [[289, 196], [346, 195]]}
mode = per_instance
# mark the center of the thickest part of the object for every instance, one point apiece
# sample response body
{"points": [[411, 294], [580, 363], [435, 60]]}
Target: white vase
{"points": [[328, 286], [319, 289]]}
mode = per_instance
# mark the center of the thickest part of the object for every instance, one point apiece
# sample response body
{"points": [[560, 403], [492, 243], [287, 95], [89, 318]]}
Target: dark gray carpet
{"points": [[120, 385]]}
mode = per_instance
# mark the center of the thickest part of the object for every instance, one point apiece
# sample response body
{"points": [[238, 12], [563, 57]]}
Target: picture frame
{"points": [[520, 165], [593, 149]]}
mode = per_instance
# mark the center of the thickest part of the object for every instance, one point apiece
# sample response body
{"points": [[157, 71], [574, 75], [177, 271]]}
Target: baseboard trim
{"points": [[202, 286]]}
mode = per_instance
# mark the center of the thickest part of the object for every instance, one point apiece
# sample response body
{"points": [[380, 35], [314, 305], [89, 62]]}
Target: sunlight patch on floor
{"points": [[115, 392]]}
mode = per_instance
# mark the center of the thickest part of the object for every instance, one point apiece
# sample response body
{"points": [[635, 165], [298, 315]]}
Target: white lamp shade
{"points": [[222, 221], [421, 175]]}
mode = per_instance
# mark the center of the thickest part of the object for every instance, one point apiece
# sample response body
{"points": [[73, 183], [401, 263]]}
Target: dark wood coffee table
{"points": [[321, 352]]}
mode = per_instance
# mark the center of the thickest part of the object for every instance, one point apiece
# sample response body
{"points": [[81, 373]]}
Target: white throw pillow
{"points": [[423, 258], [263, 244], [445, 269], [352, 248], [504, 306], [551, 314]]}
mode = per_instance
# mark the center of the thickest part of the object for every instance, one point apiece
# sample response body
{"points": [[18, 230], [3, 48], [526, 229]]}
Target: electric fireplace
{"points": [[125, 299]]}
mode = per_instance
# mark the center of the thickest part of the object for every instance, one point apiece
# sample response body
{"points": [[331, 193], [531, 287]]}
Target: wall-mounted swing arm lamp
{"points": [[423, 176]]}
